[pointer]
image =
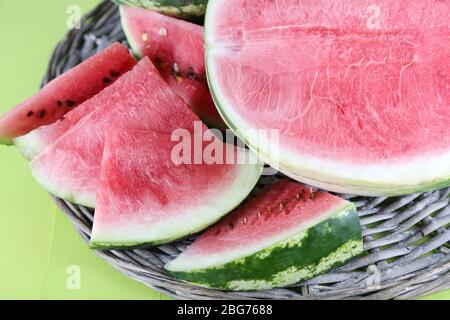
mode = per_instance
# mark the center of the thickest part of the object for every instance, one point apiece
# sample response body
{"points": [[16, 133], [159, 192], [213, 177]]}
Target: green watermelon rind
{"points": [[187, 9], [6, 142], [309, 253], [229, 199], [133, 45], [297, 169]]}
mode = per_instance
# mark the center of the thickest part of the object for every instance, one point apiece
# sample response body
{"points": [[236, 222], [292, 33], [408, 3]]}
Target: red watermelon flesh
{"points": [[33, 143], [146, 198], [259, 219], [70, 168], [66, 92], [359, 92], [177, 49]]}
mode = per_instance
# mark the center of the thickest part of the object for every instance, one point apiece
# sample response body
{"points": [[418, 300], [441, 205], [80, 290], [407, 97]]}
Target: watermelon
{"points": [[358, 92], [148, 198], [176, 48], [187, 9], [287, 234], [33, 143], [70, 168], [66, 92]]}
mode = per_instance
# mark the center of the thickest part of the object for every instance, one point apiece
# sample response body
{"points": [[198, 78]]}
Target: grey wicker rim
{"points": [[406, 238]]}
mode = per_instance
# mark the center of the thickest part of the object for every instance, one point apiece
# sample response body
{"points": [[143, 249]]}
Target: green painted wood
{"points": [[38, 244]]}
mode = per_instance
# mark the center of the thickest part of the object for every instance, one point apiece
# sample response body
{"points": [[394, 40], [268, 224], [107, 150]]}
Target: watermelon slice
{"points": [[359, 92], [147, 198], [33, 143], [288, 234], [176, 48], [187, 9], [66, 92], [70, 168]]}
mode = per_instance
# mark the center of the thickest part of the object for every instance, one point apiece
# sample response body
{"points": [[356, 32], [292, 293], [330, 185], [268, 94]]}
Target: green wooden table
{"points": [[41, 254]]}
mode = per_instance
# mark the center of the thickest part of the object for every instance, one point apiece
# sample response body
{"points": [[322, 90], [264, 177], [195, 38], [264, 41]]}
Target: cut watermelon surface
{"points": [[176, 47], [66, 92], [359, 92], [285, 235], [146, 198], [70, 168], [33, 143]]}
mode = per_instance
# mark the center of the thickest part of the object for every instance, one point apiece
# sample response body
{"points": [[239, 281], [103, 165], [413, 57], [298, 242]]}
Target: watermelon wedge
{"points": [[33, 143], [287, 234], [147, 198], [176, 48], [358, 92], [70, 168], [186, 9], [66, 92]]}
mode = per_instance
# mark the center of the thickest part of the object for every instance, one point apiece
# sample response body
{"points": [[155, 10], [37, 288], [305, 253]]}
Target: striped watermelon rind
{"points": [[311, 252], [187, 9]]}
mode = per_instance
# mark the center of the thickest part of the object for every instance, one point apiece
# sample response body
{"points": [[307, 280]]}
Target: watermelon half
{"points": [[288, 234], [146, 198], [70, 168], [176, 48], [359, 93], [187, 9], [66, 92]]}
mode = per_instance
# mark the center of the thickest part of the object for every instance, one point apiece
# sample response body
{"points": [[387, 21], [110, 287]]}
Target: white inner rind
{"points": [[84, 198], [188, 263], [29, 145], [188, 221]]}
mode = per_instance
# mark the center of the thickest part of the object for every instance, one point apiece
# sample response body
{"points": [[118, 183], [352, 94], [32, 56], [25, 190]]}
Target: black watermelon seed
{"points": [[70, 103], [41, 114], [30, 114], [59, 103], [191, 74], [107, 80], [158, 61], [114, 74]]}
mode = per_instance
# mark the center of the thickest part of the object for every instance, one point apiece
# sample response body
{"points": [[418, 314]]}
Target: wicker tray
{"points": [[406, 238]]}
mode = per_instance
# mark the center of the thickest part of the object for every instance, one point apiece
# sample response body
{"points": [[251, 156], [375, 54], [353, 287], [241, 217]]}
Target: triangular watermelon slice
{"points": [[145, 197], [33, 143], [177, 49], [66, 92], [70, 168], [288, 233]]}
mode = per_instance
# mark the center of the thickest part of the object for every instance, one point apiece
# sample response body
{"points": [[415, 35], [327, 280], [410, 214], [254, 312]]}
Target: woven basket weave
{"points": [[406, 238]]}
